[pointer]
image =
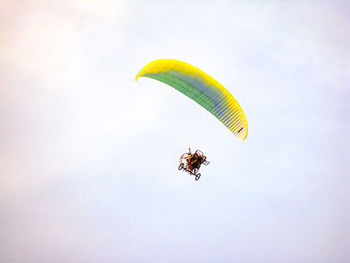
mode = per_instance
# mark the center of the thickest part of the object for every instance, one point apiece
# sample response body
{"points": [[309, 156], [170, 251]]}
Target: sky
{"points": [[89, 157]]}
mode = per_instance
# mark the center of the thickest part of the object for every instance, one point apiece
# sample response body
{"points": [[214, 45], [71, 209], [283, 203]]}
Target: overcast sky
{"points": [[88, 156]]}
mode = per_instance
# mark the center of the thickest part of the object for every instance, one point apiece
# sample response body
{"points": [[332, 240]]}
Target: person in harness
{"points": [[195, 160], [192, 162]]}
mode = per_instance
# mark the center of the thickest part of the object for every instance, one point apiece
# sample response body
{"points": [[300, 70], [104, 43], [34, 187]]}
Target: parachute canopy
{"points": [[201, 88]]}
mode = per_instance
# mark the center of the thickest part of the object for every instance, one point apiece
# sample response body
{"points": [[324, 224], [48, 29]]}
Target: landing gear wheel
{"points": [[197, 177], [181, 166]]}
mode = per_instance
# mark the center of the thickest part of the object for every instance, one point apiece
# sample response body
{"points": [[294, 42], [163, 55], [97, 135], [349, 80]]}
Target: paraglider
{"points": [[201, 88]]}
